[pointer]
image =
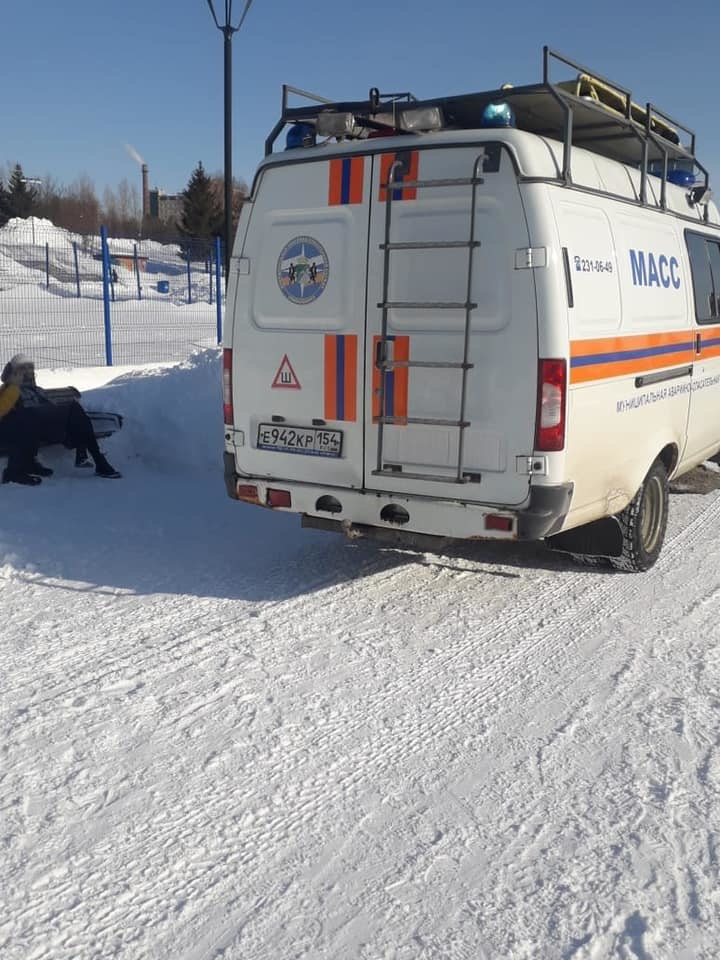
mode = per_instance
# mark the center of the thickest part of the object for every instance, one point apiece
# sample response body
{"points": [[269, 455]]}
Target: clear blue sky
{"points": [[82, 78]]}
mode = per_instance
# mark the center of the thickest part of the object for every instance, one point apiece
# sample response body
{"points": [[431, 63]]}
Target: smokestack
{"points": [[145, 192], [145, 185]]}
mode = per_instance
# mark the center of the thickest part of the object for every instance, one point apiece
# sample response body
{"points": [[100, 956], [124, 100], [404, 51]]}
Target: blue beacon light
{"points": [[300, 135], [498, 115], [681, 178]]}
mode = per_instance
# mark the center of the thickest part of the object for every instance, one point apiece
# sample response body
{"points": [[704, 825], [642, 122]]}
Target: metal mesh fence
{"points": [[68, 302]]}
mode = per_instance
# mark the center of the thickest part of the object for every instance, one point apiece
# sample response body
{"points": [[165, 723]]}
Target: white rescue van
{"points": [[486, 316]]}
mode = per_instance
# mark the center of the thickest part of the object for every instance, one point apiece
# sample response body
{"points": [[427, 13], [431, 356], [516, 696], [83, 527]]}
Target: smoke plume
{"points": [[134, 154]]}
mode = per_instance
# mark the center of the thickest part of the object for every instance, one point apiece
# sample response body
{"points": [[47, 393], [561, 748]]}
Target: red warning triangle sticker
{"points": [[286, 378]]}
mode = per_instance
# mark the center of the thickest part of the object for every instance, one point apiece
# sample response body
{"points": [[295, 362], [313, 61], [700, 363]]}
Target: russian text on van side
{"points": [[649, 270]]}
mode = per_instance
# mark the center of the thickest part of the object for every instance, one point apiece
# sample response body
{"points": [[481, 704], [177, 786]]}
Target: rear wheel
{"points": [[643, 522]]}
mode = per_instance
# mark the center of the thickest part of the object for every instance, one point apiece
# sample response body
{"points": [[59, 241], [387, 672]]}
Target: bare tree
{"points": [[239, 193], [80, 209]]}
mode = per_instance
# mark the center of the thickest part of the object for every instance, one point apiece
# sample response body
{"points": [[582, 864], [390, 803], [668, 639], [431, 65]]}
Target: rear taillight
{"points": [[278, 498], [495, 521], [551, 403], [247, 492], [227, 387]]}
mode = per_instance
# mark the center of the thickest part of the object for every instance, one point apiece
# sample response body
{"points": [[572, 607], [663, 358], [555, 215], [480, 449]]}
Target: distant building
{"points": [[166, 207], [127, 260]]}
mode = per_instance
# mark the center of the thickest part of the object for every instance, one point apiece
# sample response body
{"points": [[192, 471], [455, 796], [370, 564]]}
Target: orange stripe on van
{"points": [[396, 384], [330, 379], [709, 342], [606, 357], [340, 377], [346, 180], [351, 377], [400, 387], [399, 192]]}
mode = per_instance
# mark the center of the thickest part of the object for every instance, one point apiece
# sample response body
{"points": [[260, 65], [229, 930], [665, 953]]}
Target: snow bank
{"points": [[172, 414]]}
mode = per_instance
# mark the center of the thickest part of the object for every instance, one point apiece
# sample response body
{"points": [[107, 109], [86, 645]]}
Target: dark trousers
{"points": [[65, 423], [25, 428], [19, 434]]}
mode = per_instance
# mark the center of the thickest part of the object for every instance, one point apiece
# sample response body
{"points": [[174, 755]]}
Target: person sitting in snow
{"points": [[31, 417], [17, 435]]}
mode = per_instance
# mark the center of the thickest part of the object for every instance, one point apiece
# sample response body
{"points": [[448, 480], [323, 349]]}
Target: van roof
{"points": [[586, 111]]}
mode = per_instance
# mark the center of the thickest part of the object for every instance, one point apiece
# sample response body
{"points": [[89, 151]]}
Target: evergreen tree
{"points": [[21, 198], [4, 205], [202, 216]]}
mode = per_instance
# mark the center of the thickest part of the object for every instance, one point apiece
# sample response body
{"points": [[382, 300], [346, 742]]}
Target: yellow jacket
{"points": [[9, 396]]}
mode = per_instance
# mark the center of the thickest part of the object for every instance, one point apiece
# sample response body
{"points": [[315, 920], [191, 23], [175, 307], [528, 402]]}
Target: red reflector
{"points": [[278, 498], [493, 521], [551, 403], [247, 492], [228, 416]]}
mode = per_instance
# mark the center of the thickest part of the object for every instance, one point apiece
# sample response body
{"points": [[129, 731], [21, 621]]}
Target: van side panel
{"points": [[630, 349]]}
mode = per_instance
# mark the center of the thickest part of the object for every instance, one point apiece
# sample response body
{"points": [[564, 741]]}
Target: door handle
{"points": [[698, 343], [382, 353]]}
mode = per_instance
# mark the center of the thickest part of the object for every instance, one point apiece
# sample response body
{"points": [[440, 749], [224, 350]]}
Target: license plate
{"points": [[311, 441]]}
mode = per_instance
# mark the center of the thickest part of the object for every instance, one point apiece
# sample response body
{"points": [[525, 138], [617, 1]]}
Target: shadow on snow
{"points": [[154, 533]]}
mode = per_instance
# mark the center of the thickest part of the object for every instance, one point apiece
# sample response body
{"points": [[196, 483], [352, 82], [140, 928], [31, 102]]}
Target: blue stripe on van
{"points": [[636, 354], [345, 188]]}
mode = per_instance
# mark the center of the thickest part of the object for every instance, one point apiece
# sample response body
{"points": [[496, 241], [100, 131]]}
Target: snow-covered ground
{"points": [[51, 298], [223, 736]]}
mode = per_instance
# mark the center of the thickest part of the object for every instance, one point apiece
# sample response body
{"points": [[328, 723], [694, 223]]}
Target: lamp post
{"points": [[227, 29]]}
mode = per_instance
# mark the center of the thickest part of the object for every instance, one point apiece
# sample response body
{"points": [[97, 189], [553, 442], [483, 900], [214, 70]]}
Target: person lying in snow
{"points": [[28, 417]]}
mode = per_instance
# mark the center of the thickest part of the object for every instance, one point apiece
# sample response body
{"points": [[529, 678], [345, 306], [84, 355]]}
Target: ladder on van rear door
{"points": [[383, 360]]}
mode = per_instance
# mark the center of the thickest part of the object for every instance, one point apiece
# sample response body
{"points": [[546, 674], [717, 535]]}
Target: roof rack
{"points": [[588, 111]]}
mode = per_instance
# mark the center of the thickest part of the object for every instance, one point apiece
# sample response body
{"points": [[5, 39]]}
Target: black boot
{"points": [[81, 458], [38, 470], [104, 469], [17, 476]]}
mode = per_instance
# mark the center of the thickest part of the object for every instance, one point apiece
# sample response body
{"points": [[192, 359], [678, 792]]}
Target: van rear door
{"points": [[299, 322], [452, 327]]}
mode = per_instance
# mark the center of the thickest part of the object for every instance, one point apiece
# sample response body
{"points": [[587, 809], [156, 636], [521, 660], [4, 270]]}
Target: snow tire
{"points": [[643, 522]]}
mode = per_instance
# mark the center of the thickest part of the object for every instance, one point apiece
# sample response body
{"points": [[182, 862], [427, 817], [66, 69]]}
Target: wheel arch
{"points": [[669, 456]]}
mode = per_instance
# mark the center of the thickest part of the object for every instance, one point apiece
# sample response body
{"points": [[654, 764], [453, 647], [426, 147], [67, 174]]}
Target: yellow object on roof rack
{"points": [[588, 87]]}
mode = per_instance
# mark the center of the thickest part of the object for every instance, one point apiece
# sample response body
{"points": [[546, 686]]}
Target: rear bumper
{"points": [[546, 511], [372, 514]]}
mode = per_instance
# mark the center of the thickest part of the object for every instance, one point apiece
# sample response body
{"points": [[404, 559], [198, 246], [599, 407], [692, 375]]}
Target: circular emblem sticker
{"points": [[302, 270]]}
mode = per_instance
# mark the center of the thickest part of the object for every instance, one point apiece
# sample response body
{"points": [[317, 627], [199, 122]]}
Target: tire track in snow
{"points": [[466, 706], [573, 794], [482, 659], [606, 594]]}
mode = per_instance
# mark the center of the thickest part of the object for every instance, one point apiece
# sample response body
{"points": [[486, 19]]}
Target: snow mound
{"points": [[36, 230], [172, 414]]}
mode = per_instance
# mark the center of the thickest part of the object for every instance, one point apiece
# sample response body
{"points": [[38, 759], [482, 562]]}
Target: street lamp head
{"points": [[227, 26]]}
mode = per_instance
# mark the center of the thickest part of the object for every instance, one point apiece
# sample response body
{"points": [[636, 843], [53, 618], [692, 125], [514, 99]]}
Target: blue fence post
{"points": [[77, 267], [106, 295], [218, 288], [137, 273], [189, 255], [47, 266]]}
